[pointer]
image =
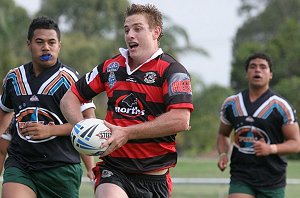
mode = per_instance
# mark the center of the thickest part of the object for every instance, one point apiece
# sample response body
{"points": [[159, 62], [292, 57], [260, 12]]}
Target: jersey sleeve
{"points": [[88, 86], [224, 112], [177, 88], [9, 83]]}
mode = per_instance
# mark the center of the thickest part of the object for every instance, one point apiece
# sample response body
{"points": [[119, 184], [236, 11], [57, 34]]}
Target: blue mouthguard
{"points": [[45, 57]]}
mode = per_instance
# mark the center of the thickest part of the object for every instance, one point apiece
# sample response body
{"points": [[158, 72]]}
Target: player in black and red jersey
{"points": [[265, 128], [42, 161], [149, 102]]}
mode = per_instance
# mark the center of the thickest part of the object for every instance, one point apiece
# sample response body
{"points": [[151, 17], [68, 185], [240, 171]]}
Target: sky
{"points": [[210, 24]]}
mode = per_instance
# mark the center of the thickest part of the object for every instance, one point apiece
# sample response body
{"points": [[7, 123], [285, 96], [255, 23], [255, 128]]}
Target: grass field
{"points": [[205, 168]]}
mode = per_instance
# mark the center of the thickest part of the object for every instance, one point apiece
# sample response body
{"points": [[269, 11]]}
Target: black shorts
{"points": [[135, 185]]}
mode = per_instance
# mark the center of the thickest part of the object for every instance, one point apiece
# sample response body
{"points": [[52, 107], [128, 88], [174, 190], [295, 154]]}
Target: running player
{"points": [[265, 128], [41, 159], [149, 102]]}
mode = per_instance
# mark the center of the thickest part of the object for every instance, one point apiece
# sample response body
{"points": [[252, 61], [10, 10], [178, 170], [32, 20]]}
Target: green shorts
{"points": [[61, 182], [240, 187]]}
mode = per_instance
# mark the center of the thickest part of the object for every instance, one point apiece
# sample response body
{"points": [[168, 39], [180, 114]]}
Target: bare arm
{"points": [[290, 145], [70, 107], [5, 119], [223, 145], [89, 160], [169, 123], [89, 164], [3, 152]]}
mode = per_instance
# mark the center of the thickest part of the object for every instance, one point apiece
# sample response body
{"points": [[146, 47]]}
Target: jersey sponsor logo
{"points": [[35, 114], [150, 77], [180, 83], [129, 106], [245, 137]]}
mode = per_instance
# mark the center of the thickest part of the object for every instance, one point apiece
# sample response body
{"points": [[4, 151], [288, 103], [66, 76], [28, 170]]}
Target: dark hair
{"points": [[42, 22], [153, 15], [261, 56]]}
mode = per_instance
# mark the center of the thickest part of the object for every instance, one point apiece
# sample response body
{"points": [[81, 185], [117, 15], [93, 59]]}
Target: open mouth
{"points": [[45, 57], [133, 45]]}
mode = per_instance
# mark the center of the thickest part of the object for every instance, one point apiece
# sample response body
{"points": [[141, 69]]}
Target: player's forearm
{"points": [[288, 147], [223, 144], [88, 161], [169, 123], [70, 107]]}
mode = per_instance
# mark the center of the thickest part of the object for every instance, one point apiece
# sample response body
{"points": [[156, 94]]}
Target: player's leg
{"points": [[274, 193], [62, 181], [17, 190], [110, 190], [17, 184], [240, 190]]}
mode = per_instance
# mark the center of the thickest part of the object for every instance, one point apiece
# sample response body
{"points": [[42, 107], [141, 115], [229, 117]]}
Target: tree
{"points": [[275, 31], [14, 20]]}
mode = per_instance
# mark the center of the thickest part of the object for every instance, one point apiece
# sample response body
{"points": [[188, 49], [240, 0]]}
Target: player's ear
{"points": [[156, 32]]}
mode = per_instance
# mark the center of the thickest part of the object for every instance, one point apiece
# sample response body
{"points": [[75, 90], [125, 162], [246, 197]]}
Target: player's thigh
{"points": [[17, 190], [62, 181], [241, 190], [240, 195], [110, 190]]}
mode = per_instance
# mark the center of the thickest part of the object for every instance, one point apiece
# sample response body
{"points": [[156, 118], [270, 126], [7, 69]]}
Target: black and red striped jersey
{"points": [[37, 99], [137, 96]]}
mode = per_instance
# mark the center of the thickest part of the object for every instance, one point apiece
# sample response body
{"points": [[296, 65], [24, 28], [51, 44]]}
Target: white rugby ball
{"points": [[88, 135]]}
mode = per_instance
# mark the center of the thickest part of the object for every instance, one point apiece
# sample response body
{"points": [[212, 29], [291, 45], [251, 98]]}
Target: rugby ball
{"points": [[88, 135]]}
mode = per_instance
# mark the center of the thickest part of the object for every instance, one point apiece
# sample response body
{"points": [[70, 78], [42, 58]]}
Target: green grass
{"points": [[205, 168]]}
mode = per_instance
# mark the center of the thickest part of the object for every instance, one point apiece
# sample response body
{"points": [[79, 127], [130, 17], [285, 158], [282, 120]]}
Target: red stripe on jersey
{"points": [[20, 82], [141, 150]]}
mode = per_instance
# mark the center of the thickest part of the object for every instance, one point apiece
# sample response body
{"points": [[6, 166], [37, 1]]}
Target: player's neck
{"points": [[255, 93]]}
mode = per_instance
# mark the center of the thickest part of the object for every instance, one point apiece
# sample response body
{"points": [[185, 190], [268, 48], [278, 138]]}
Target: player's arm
{"points": [[290, 145], [169, 123], [88, 161], [3, 151], [223, 145], [5, 119], [70, 107]]}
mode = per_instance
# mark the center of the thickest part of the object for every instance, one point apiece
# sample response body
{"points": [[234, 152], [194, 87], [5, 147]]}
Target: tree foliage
{"points": [[13, 22], [274, 30]]}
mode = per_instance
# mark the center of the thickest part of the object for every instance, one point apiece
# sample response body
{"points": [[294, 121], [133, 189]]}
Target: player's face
{"points": [[259, 73], [141, 40], [44, 43]]}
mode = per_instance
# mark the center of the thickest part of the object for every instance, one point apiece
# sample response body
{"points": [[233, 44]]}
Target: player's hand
{"points": [[35, 131], [118, 138], [261, 148], [90, 174], [222, 163]]}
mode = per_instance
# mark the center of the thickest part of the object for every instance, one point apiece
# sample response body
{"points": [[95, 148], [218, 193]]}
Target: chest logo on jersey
{"points": [[244, 138], [150, 77], [111, 69], [129, 106], [35, 115]]}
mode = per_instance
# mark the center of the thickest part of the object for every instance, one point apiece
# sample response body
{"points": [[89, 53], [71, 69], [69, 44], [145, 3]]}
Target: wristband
{"points": [[222, 154], [274, 149]]}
